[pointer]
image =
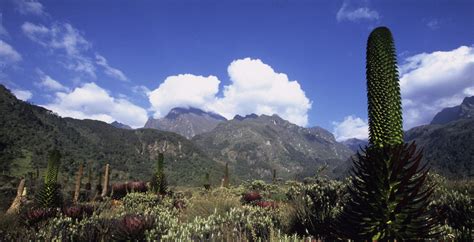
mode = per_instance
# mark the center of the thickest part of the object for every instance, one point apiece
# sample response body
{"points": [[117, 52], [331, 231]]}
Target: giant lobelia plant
{"points": [[387, 197], [158, 181], [49, 195]]}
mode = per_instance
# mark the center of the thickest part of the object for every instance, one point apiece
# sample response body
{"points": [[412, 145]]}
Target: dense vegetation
{"points": [[255, 210]]}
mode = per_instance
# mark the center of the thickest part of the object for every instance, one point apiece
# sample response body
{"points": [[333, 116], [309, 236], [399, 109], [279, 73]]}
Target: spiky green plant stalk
{"points": [[53, 167], [77, 188], [226, 182], [274, 176], [383, 90], [89, 177], [158, 182], [49, 195], [387, 197], [207, 182]]}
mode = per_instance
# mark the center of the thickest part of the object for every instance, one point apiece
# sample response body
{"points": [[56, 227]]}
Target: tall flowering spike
{"points": [[383, 90], [388, 198], [49, 195], [53, 167], [158, 181]]}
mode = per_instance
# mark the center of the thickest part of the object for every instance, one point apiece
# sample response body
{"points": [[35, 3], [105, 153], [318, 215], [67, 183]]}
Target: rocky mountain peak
{"points": [[187, 122], [120, 125], [462, 111], [178, 111], [248, 116]]}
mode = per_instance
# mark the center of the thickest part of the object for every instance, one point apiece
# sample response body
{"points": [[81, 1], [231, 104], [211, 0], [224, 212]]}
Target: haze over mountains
{"points": [[253, 145]]}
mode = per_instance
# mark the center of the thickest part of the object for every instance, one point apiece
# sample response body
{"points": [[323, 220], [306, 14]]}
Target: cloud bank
{"points": [[93, 102], [255, 88], [430, 82], [351, 127]]}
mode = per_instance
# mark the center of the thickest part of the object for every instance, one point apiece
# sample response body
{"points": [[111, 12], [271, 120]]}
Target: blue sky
{"points": [[304, 60]]}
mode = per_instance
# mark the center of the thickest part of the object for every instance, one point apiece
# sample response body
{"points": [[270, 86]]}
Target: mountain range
{"points": [[255, 145], [196, 142], [28, 132]]}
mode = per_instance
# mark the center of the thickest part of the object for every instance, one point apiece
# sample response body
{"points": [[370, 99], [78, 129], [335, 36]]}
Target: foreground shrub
{"points": [[119, 190], [34, 216], [132, 227], [140, 201], [455, 208], [136, 186], [239, 224], [251, 197], [78, 212], [316, 207]]}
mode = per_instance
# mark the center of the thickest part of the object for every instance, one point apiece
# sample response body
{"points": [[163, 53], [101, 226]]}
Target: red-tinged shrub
{"points": [[78, 211], [267, 204], [34, 216], [132, 227], [74, 212], [137, 186], [250, 197], [119, 190]]}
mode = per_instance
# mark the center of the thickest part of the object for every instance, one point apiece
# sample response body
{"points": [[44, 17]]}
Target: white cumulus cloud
{"points": [[24, 95], [93, 102], [255, 88], [8, 54], [430, 82], [346, 12], [351, 127], [112, 72], [185, 90]]}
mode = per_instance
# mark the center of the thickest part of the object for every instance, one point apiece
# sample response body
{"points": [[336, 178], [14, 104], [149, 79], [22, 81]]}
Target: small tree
{"points": [[158, 181], [49, 195]]}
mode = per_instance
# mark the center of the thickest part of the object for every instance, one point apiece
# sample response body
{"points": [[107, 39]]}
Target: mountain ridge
{"points": [[464, 110], [187, 122], [264, 142], [28, 132]]}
